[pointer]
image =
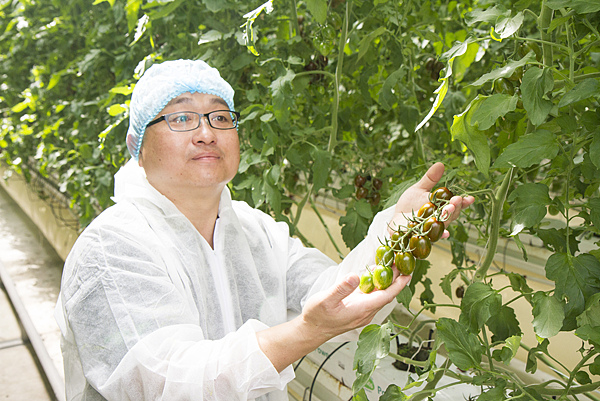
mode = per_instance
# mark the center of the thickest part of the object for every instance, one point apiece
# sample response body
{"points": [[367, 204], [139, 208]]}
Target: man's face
{"points": [[202, 158]]}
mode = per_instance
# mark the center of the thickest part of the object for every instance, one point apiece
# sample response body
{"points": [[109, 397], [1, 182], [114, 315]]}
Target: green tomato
{"points": [[405, 262], [366, 282], [384, 255], [382, 277]]}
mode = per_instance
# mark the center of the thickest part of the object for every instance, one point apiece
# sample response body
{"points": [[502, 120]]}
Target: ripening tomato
{"points": [[374, 199], [359, 180], [382, 277], [366, 282], [460, 291], [384, 255], [377, 183], [420, 246], [426, 210], [440, 194], [361, 192], [433, 228], [405, 262]]}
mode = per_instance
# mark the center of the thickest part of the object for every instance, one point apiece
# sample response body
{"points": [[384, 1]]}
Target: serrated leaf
{"points": [[318, 9], [507, 26], [386, 97], [529, 203], [393, 393], [542, 347], [583, 90], [595, 150], [529, 150], [320, 168], [373, 345], [475, 140], [591, 314], [506, 71], [405, 296], [446, 283], [354, 227], [594, 205], [116, 109], [504, 324], [580, 6], [577, 279], [365, 42], [464, 349], [492, 108], [548, 315], [536, 83], [479, 303], [363, 208], [493, 394], [489, 15], [442, 90]]}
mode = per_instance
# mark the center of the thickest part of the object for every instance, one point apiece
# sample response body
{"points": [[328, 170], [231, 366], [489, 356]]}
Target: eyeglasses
{"points": [[189, 120]]}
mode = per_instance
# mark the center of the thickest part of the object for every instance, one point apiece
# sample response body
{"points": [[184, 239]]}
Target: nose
{"points": [[204, 133]]}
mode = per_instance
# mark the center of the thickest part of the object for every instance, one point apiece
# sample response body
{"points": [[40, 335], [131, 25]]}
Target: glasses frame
{"points": [[165, 116]]}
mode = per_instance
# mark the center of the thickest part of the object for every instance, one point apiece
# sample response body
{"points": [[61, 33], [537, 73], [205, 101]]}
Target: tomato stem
{"points": [[544, 24], [497, 205], [338, 78]]}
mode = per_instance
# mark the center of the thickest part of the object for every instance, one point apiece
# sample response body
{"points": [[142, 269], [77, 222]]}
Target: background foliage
{"points": [[504, 92]]}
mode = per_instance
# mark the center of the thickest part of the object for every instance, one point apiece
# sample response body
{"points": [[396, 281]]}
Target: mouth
{"points": [[206, 157]]}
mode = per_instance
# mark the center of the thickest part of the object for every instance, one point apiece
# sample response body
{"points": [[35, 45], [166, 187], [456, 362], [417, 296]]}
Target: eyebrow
{"points": [[185, 99]]}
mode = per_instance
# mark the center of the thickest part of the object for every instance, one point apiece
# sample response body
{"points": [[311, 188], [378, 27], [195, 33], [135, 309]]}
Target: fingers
{"points": [[431, 177], [344, 287]]}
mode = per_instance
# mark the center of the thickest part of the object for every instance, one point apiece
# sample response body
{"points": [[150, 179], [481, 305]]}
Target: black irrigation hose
{"points": [[298, 364], [318, 370]]}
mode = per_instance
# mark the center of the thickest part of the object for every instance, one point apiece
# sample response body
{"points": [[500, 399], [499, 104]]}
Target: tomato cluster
{"points": [[362, 184], [407, 244]]}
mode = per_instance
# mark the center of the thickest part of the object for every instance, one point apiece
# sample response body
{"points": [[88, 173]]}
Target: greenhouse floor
{"points": [[35, 270]]}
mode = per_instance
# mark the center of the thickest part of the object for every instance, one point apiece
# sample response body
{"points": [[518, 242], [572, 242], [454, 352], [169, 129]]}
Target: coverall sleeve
{"points": [[138, 338]]}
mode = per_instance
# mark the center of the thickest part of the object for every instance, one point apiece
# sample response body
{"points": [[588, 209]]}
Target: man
{"points": [[178, 292]]}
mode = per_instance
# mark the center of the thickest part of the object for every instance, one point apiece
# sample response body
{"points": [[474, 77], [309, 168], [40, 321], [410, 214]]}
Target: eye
{"points": [[180, 119]]}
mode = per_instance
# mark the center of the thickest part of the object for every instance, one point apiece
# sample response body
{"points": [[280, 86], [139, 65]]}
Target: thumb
{"points": [[432, 176], [344, 287]]}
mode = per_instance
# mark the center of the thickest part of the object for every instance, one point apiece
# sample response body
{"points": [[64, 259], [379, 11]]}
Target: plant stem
{"points": [[408, 361], [592, 386], [487, 348], [338, 78], [544, 23], [430, 387], [314, 208], [497, 206], [295, 17], [301, 206]]}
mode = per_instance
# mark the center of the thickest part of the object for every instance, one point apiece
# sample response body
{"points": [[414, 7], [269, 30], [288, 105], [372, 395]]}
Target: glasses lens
{"points": [[184, 121], [222, 119]]}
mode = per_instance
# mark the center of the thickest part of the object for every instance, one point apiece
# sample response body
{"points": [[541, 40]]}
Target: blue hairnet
{"points": [[165, 81]]}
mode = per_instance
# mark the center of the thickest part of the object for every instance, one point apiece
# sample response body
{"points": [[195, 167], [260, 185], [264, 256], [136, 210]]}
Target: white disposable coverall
{"points": [[148, 310]]}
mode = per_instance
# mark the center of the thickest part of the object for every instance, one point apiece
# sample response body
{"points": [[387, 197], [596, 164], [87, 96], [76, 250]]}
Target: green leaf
{"points": [[591, 315], [583, 90], [479, 303], [506, 26], [594, 205], [493, 107], [318, 9], [536, 83], [210, 36], [529, 150], [393, 393], [548, 315], [488, 15], [320, 168], [580, 6], [386, 97], [529, 203], [531, 366], [441, 91], [576, 278], [595, 150], [373, 345], [354, 227], [595, 366], [117, 109], [405, 296], [504, 324], [493, 394], [475, 140], [447, 282], [464, 349], [363, 208], [365, 42], [506, 71]]}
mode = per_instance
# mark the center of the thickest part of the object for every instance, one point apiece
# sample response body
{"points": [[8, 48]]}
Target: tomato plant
{"points": [[332, 90]]}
